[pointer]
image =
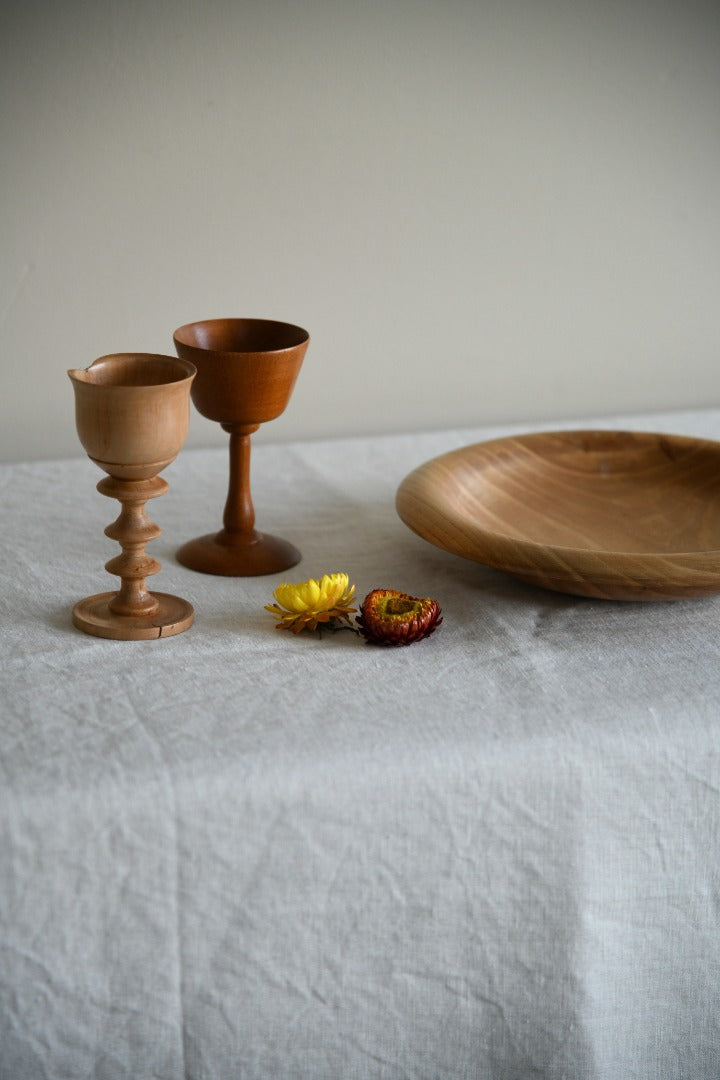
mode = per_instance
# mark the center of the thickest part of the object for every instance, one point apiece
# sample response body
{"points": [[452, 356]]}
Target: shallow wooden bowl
{"points": [[611, 514]]}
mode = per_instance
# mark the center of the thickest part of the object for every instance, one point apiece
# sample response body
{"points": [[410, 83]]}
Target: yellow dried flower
{"points": [[313, 603]]}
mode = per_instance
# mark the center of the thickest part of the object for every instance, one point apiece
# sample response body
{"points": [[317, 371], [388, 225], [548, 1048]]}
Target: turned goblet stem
{"points": [[239, 514], [133, 529], [238, 549], [133, 613]]}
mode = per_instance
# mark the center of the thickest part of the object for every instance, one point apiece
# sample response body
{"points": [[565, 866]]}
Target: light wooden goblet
{"points": [[246, 371], [132, 412]]}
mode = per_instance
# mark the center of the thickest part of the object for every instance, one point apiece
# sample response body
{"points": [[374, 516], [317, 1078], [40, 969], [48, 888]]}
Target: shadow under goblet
{"points": [[246, 371], [132, 412]]}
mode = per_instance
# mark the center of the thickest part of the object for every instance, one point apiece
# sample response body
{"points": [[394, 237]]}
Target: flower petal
{"points": [[311, 602]]}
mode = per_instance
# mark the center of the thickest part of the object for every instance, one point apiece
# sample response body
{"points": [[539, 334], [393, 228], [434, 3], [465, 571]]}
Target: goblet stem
{"points": [[238, 550], [133, 530], [239, 515], [133, 613]]}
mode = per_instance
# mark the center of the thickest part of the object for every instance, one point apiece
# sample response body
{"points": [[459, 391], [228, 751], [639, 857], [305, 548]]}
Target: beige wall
{"points": [[481, 211]]}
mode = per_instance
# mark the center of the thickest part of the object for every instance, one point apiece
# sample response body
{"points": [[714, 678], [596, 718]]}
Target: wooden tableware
{"points": [[246, 371], [611, 514], [132, 412]]}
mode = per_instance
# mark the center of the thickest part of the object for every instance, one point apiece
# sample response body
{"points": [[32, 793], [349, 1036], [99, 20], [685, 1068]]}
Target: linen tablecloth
{"points": [[236, 853]]}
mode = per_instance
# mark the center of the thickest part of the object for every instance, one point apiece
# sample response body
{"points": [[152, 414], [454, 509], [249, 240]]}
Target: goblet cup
{"points": [[132, 412], [246, 371]]}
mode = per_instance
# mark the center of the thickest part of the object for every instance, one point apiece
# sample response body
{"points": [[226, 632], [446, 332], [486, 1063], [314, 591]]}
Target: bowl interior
{"points": [[241, 335], [135, 369], [610, 492], [615, 515]]}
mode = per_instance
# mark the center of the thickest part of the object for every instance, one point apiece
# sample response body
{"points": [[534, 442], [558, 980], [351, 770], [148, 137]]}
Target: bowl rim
{"points": [[179, 336], [185, 371]]}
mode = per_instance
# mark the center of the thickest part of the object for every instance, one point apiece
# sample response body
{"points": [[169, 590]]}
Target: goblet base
{"points": [[93, 615], [238, 554]]}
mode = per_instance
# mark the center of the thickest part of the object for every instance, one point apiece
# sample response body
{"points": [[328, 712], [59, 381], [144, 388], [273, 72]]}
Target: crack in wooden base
{"points": [[94, 616]]}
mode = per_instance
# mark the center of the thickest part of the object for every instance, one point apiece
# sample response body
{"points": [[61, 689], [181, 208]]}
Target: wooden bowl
{"points": [[246, 368], [132, 411], [610, 514]]}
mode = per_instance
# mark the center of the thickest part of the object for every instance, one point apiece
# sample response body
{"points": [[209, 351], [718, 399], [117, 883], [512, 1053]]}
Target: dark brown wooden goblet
{"points": [[246, 371]]}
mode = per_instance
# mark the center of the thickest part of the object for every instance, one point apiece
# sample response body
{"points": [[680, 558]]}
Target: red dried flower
{"points": [[388, 617]]}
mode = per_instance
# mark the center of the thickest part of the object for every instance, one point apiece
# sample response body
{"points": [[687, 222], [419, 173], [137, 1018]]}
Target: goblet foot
{"points": [[238, 554], [172, 616]]}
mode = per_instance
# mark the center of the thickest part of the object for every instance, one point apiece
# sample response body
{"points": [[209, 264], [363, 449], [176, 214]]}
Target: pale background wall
{"points": [[491, 210]]}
